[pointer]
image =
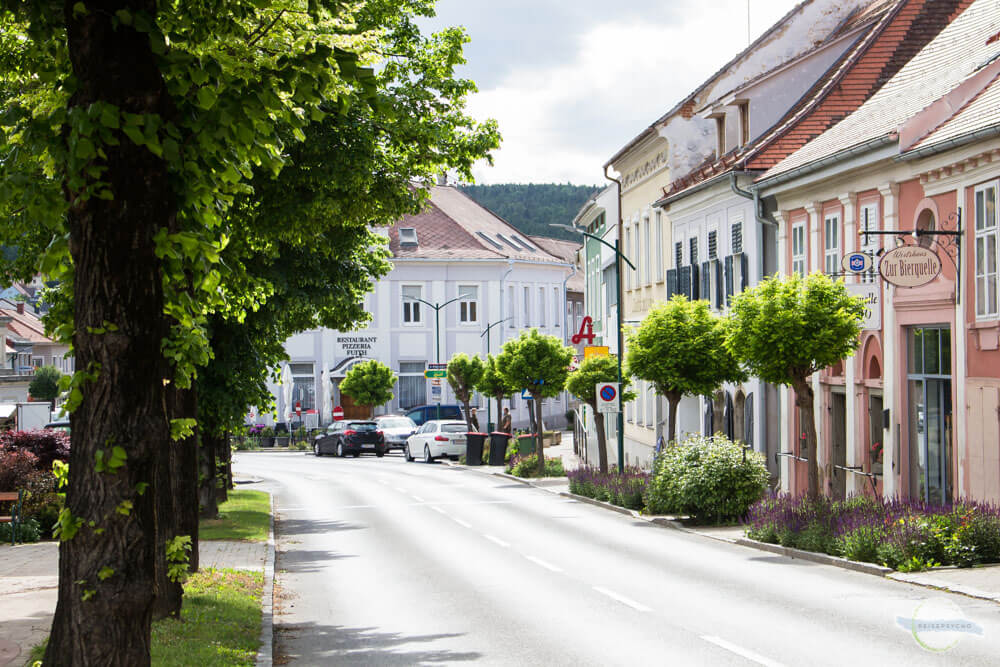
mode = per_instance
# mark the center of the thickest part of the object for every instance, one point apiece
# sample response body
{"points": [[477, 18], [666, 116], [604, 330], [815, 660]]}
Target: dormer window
{"points": [[720, 135], [407, 236], [744, 109]]}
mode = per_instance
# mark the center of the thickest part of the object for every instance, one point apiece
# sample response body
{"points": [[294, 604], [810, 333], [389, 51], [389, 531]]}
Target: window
{"points": [[737, 231], [693, 250], [869, 243], [635, 252], [659, 246], [412, 385], [713, 244], [650, 405], [610, 290], [468, 304], [744, 109], [628, 270], [411, 308], [986, 249], [527, 307], [303, 386], [511, 309], [555, 305], [678, 255], [647, 264], [831, 249], [799, 248], [407, 236], [720, 136], [541, 307]]}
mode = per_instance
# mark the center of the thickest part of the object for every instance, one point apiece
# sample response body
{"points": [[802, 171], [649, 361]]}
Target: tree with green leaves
{"points": [[539, 364], [787, 328], [583, 382], [492, 384], [464, 375], [45, 383], [129, 129], [681, 348], [369, 383]]}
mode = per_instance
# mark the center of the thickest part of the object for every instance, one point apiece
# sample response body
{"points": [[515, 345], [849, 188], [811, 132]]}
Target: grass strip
{"points": [[246, 516]]}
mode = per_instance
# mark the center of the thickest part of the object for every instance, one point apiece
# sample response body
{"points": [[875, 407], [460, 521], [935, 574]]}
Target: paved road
{"points": [[387, 563]]}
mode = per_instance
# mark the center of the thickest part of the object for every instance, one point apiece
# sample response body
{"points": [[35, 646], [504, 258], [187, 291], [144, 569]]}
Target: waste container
{"points": [[474, 448], [498, 447], [527, 443]]}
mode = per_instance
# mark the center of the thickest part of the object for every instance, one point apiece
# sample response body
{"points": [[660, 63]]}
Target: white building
{"points": [[478, 269]]}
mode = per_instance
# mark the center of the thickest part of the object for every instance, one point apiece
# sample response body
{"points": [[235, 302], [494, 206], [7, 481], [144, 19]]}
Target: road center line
{"points": [[547, 566], [417, 498], [461, 523], [740, 651], [436, 509], [628, 602], [399, 489], [496, 540]]}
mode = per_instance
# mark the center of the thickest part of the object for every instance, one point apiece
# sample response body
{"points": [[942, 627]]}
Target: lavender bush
{"points": [[902, 534], [625, 489]]}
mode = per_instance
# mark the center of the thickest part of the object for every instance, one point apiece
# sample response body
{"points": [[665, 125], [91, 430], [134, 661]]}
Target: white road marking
{"points": [[740, 651], [437, 509], [496, 540], [417, 498], [628, 602], [547, 566], [399, 489], [460, 522]]}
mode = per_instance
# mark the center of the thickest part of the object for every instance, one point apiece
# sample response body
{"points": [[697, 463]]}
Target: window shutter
{"points": [[695, 283], [744, 265], [709, 416], [737, 238], [717, 278], [671, 283], [729, 278], [684, 281], [706, 282]]}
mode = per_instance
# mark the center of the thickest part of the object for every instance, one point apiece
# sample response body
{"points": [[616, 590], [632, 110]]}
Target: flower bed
{"points": [[625, 489], [905, 535]]}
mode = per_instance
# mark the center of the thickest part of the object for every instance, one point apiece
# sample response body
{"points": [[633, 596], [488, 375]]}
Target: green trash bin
{"points": [[526, 444]]}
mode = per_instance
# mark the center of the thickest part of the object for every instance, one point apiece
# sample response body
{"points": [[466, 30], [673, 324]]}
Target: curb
{"points": [[918, 579], [265, 654], [824, 559]]}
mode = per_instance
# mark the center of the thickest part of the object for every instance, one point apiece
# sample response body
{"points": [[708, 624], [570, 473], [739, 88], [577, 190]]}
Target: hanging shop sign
{"points": [[857, 262], [871, 293], [909, 266]]}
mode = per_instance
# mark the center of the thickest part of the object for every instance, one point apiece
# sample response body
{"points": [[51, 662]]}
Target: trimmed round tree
{"points": [[539, 364], [582, 383], [45, 383], [681, 348], [369, 383], [493, 384], [464, 373], [785, 329]]}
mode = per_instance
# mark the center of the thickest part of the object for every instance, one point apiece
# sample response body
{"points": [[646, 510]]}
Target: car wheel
{"points": [[316, 449], [355, 454], [427, 455], [340, 450], [406, 454], [380, 452]]}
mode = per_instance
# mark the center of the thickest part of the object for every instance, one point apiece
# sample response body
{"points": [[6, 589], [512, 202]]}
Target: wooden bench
{"points": [[14, 518]]}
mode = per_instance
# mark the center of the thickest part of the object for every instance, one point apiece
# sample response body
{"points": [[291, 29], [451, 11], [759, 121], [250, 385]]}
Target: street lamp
{"points": [[437, 327], [486, 332], [619, 257]]}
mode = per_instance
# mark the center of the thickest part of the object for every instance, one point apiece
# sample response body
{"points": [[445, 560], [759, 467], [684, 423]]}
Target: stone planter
{"points": [[281, 441], [267, 441]]}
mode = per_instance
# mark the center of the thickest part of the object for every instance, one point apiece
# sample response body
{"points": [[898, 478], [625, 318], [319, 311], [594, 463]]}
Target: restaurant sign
{"points": [[909, 266]]}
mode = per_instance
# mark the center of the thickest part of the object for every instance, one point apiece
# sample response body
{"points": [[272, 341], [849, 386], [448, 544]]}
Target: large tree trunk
{"points": [[186, 480], [804, 401], [168, 595], [208, 507], [106, 569], [673, 400], [602, 440]]}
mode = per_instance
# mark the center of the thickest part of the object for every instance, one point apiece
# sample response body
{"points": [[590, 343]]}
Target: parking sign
{"points": [[608, 398]]}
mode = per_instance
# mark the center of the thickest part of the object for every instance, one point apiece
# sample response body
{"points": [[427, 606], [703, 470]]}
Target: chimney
{"points": [[20, 308]]}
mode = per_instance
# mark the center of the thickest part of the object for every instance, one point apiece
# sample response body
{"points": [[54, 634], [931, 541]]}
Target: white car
{"points": [[436, 438]]}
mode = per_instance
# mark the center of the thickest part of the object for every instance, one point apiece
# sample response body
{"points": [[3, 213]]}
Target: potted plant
{"points": [[267, 437], [876, 458]]}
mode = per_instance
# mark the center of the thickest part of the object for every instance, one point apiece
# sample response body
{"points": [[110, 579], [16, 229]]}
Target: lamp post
{"points": [[437, 327], [486, 332], [619, 258]]}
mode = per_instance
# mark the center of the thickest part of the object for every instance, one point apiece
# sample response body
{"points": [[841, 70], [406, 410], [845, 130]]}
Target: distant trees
{"points": [[531, 207]]}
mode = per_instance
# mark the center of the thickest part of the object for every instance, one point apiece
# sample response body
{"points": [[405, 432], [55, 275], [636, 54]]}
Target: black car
{"points": [[424, 413], [350, 437]]}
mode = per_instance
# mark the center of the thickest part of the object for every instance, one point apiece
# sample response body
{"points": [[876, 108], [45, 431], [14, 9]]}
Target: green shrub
{"points": [[528, 467], [708, 478], [862, 544], [976, 540], [27, 531]]}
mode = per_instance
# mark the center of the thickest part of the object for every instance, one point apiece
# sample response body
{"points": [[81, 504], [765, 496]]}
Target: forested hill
{"points": [[532, 206]]}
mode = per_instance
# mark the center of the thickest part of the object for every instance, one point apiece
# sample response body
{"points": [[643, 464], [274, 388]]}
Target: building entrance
{"points": [[930, 414]]}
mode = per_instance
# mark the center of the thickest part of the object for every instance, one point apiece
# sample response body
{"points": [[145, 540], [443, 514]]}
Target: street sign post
{"points": [[526, 395], [435, 373], [438, 367], [436, 393], [596, 351], [338, 413], [608, 397]]}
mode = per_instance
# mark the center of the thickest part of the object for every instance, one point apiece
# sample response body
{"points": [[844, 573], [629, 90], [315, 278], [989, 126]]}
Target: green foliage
{"points": [[582, 382], [464, 375], [680, 348], [527, 466], [861, 544], [178, 555], [369, 383], [976, 540], [787, 328], [45, 383], [532, 207], [706, 478], [536, 362], [28, 530], [492, 382]]}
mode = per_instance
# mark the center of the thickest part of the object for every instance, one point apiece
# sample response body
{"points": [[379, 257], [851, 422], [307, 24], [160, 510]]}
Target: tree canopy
{"points": [[369, 383], [583, 382], [45, 383], [464, 374]]}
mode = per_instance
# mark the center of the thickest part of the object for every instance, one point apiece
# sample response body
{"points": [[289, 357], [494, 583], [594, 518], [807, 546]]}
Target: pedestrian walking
{"points": [[505, 422], [474, 421]]}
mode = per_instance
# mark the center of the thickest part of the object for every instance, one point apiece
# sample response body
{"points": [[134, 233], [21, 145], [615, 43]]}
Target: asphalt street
{"points": [[383, 562]]}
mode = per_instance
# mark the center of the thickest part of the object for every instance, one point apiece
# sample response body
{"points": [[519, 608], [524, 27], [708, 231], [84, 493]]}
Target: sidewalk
{"points": [[29, 588]]}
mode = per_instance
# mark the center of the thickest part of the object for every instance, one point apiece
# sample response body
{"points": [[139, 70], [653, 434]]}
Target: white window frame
{"points": [[799, 263], [526, 295], [831, 244], [868, 221], [660, 273], [986, 230], [647, 269], [415, 307], [468, 308], [556, 309], [511, 307], [628, 245], [542, 305], [635, 254]]}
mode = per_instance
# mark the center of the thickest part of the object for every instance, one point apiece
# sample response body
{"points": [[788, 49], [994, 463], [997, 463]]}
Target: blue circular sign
{"points": [[857, 262], [608, 394]]}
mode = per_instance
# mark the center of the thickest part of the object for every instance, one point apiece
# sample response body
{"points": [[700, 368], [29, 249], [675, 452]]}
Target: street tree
{"points": [[583, 382], [369, 383], [785, 329], [129, 129], [680, 348], [464, 374], [492, 384], [539, 364], [44, 384]]}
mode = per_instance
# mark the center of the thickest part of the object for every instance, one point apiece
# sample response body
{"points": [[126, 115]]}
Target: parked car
{"points": [[350, 437], [61, 424], [396, 429], [424, 413], [437, 438]]}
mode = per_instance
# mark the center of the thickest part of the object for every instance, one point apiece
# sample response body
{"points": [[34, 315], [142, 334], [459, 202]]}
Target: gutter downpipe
{"points": [[619, 307]]}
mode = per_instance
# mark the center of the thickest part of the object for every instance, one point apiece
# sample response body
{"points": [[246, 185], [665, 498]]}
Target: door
{"points": [[930, 414], [838, 445], [351, 409]]}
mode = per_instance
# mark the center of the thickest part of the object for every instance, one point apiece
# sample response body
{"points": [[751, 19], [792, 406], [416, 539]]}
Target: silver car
{"points": [[396, 429]]}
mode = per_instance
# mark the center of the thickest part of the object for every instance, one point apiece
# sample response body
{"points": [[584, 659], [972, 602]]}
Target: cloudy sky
{"points": [[572, 81]]}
